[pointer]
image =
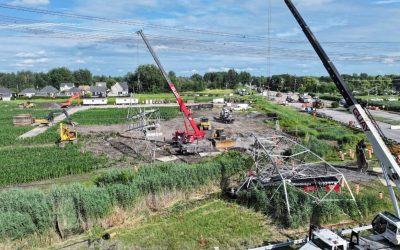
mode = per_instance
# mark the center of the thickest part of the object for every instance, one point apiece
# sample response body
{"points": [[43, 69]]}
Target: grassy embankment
{"points": [[324, 137]]}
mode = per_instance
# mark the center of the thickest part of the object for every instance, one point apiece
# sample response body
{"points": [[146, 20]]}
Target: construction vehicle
{"points": [[225, 116], [26, 105], [385, 225], [180, 137], [220, 140], [67, 135], [68, 103], [50, 118], [318, 103], [205, 123]]}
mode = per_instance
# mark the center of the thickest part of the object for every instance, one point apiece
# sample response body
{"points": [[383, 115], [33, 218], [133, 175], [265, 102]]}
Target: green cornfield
{"points": [[20, 165]]}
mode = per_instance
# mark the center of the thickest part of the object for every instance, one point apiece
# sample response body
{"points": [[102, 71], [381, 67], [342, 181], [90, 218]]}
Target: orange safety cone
{"points": [[202, 241], [341, 155], [357, 188], [351, 154]]}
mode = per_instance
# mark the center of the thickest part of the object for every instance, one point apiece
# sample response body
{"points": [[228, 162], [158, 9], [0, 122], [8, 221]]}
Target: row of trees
{"points": [[147, 78]]}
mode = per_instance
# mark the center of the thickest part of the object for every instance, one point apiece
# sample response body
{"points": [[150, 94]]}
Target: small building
{"points": [[48, 91], [98, 91], [101, 84], [95, 101], [126, 101], [66, 86], [28, 92], [5, 94], [119, 89]]}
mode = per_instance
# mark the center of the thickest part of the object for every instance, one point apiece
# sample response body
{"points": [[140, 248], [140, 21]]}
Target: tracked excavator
{"points": [[50, 118], [68, 103]]}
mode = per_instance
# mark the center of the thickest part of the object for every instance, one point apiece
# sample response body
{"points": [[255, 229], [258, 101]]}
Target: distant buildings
{"points": [[119, 89], [48, 91], [29, 92], [98, 90], [5, 94]]}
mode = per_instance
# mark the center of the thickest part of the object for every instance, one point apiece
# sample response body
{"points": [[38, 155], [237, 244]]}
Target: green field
{"points": [[22, 164], [111, 116]]}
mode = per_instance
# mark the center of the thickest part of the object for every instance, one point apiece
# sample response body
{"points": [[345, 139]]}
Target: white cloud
{"points": [[313, 2], [30, 54], [386, 1], [30, 2], [80, 61], [292, 32]]}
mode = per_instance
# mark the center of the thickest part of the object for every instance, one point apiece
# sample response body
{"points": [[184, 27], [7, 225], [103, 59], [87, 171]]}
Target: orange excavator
{"points": [[68, 103]]}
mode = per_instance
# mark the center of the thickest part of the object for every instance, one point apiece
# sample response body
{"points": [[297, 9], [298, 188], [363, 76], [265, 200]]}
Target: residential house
{"points": [[73, 91], [66, 86], [49, 91], [119, 89], [98, 91], [28, 92], [5, 94]]}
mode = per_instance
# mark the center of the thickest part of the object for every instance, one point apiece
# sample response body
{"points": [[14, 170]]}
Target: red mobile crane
{"points": [[180, 136]]}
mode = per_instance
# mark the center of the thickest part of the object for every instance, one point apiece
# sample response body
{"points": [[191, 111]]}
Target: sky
{"points": [[199, 36]]}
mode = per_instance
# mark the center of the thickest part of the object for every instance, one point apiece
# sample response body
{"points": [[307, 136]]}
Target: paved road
{"points": [[345, 117], [39, 130]]}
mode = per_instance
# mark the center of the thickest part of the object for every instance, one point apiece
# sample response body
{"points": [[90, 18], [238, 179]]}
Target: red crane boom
{"points": [[197, 133]]}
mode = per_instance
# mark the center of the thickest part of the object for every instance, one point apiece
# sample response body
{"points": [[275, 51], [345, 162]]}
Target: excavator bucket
{"points": [[225, 144]]}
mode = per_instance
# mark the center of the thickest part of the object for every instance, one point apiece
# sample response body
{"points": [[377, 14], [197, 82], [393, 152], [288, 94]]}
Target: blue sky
{"points": [[198, 36]]}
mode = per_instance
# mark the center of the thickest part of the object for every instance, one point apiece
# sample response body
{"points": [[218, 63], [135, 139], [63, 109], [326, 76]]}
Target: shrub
{"points": [[334, 105]]}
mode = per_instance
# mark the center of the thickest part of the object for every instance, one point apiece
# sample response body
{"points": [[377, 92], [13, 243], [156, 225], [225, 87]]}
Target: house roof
{"points": [[28, 91], [68, 84], [98, 89], [5, 91], [73, 90], [48, 89], [124, 85]]}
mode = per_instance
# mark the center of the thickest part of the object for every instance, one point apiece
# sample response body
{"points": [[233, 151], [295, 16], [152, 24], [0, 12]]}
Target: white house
{"points": [[5, 94], [29, 92], [66, 86], [119, 89]]}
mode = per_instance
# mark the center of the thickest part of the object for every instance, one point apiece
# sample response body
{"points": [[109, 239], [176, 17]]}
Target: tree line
{"points": [[148, 79]]}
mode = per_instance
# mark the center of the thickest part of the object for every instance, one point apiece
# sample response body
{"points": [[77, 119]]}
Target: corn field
{"points": [[20, 165]]}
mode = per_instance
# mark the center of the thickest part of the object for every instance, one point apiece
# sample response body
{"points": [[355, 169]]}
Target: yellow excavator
{"points": [[220, 140], [67, 135]]}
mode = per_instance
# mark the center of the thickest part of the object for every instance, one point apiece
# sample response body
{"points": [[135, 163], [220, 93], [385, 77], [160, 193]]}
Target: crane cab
{"points": [[387, 225], [325, 239]]}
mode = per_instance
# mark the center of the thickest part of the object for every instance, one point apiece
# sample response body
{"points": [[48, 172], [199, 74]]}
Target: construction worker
{"points": [[361, 156]]}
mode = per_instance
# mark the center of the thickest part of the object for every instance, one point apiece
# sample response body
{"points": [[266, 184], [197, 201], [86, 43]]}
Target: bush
{"points": [[334, 105], [74, 208]]}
